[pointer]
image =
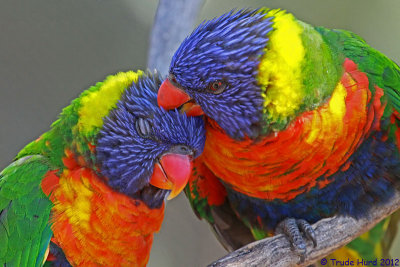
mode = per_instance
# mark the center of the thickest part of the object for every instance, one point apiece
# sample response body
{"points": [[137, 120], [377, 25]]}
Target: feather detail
{"points": [[95, 225], [50, 182], [207, 184], [321, 140]]}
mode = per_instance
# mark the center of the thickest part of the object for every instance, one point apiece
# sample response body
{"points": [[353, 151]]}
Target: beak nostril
{"points": [[182, 149]]}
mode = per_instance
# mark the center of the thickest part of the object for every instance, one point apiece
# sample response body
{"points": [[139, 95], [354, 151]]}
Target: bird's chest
{"points": [[95, 225], [304, 156], [369, 179]]}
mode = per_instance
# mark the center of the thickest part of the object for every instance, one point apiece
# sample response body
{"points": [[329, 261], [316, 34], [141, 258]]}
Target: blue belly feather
{"points": [[369, 180]]}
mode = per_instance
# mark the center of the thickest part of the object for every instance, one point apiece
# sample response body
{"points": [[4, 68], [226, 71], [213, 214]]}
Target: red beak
{"points": [[172, 173], [170, 97]]}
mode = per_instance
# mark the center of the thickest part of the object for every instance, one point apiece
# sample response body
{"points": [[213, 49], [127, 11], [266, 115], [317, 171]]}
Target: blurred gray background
{"points": [[50, 51]]}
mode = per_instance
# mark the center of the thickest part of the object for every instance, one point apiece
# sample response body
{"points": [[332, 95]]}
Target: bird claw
{"points": [[293, 229]]}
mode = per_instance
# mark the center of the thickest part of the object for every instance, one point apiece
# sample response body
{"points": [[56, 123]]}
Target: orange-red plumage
{"points": [[95, 225], [50, 182], [322, 140], [206, 183]]}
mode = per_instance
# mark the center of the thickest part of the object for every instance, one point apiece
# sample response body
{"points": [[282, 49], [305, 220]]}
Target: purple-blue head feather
{"points": [[125, 154], [228, 49]]}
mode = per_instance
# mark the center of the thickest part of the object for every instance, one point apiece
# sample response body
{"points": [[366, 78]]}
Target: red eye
{"points": [[217, 87]]}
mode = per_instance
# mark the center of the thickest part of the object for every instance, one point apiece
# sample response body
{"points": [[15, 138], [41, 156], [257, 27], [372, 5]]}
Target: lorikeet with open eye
{"points": [[92, 189], [302, 123]]}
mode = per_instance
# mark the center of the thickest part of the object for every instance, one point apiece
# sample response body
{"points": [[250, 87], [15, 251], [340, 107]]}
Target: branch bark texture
{"points": [[332, 233]]}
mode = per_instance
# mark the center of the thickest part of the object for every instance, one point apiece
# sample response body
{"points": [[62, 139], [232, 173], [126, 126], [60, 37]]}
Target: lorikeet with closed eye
{"points": [[302, 123], [92, 189]]}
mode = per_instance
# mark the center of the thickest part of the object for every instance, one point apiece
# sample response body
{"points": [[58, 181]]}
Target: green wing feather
{"points": [[384, 73], [24, 213], [381, 71]]}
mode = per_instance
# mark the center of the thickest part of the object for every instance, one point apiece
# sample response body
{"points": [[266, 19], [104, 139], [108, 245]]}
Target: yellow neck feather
{"points": [[280, 67], [96, 104]]}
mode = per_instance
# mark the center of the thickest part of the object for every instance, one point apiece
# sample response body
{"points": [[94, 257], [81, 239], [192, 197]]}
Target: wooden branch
{"points": [[174, 20], [332, 233]]}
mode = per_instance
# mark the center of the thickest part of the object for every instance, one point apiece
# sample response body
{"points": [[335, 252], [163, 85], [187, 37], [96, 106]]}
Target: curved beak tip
{"points": [[172, 173], [174, 193]]}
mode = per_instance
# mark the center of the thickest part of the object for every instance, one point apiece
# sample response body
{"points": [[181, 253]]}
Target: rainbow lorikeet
{"points": [[91, 190], [302, 123]]}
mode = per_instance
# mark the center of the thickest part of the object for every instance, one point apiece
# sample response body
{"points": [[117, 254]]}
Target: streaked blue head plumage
{"points": [[126, 156], [227, 48]]}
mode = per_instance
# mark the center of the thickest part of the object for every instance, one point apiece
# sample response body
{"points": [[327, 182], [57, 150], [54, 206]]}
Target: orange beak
{"points": [[172, 172], [170, 97]]}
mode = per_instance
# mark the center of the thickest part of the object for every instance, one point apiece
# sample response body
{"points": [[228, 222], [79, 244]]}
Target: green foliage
{"points": [[364, 246]]}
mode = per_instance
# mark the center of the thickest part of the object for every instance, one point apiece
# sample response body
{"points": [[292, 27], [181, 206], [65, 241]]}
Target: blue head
{"points": [[216, 66], [141, 144]]}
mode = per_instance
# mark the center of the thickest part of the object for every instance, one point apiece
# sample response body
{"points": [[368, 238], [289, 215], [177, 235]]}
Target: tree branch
{"points": [[174, 20], [332, 233]]}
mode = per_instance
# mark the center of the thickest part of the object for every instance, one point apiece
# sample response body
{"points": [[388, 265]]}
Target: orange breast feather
{"points": [[96, 226], [318, 142]]}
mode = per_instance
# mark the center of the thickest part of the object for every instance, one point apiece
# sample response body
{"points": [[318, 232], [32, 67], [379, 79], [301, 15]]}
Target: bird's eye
{"points": [[217, 87], [143, 127]]}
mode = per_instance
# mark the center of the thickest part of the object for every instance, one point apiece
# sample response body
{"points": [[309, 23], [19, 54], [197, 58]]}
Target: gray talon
{"points": [[306, 228], [293, 229]]}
